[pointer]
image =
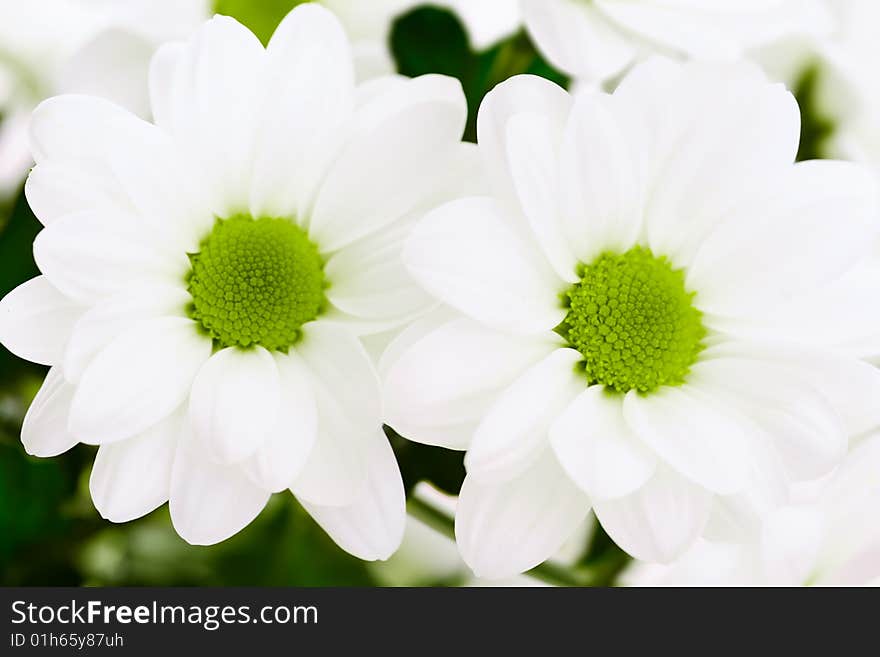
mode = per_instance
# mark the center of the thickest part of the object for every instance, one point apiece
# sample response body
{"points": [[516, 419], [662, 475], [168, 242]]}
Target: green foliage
{"points": [[432, 40], [260, 16], [816, 127]]}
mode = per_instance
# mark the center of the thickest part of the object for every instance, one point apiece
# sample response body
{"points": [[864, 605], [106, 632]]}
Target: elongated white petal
{"points": [[439, 386], [577, 38], [533, 141], [234, 402], [58, 187], [91, 255], [814, 224], [45, 432], [311, 80], [391, 160], [36, 321], [368, 278], [284, 453], [137, 380], [347, 393], [691, 433], [658, 522], [372, 527], [210, 502], [491, 275], [503, 530], [105, 321], [802, 424], [522, 93], [719, 133], [132, 477], [597, 449], [792, 540], [601, 173], [514, 432], [212, 108]]}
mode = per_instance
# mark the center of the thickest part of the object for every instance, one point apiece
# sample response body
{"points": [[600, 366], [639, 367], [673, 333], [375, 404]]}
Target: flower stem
{"points": [[548, 572]]}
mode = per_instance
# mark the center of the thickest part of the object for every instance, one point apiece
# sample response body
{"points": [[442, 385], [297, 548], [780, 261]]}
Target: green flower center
{"points": [[256, 282], [634, 322]]}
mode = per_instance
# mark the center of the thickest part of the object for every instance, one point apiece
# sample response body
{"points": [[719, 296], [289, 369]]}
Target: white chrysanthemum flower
{"points": [[78, 46], [595, 41], [643, 323], [827, 536], [205, 278]]}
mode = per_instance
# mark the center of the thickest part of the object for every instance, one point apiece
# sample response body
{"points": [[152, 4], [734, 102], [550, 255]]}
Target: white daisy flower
{"points": [[827, 536], [205, 278], [78, 46], [624, 301], [595, 41]]}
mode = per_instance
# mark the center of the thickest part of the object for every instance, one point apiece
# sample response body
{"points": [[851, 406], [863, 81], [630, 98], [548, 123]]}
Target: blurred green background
{"points": [[50, 534]]}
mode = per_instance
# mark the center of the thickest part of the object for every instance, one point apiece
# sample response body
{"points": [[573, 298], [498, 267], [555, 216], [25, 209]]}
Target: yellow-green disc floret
{"points": [[256, 282], [634, 321]]}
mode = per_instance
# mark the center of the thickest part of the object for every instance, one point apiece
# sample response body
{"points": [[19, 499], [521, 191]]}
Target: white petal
{"points": [[102, 323], [91, 255], [514, 431], [210, 502], [834, 315], [288, 445], [137, 380], [706, 444], [533, 142], [135, 159], [58, 187], [347, 393], [372, 527], [466, 254], [577, 38], [506, 529], [391, 161], [441, 385], [601, 173], [112, 65], [213, 106], [660, 521], [339, 362], [720, 131], [44, 432], [311, 81], [36, 321], [521, 93], [597, 449], [851, 385], [368, 278], [791, 541], [813, 224], [234, 403], [802, 424], [131, 478]]}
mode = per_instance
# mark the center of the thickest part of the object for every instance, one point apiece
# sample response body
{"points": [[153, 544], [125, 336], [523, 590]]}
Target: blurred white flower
{"points": [[828, 535], [205, 279], [595, 41], [846, 89], [486, 21], [99, 47], [647, 323]]}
